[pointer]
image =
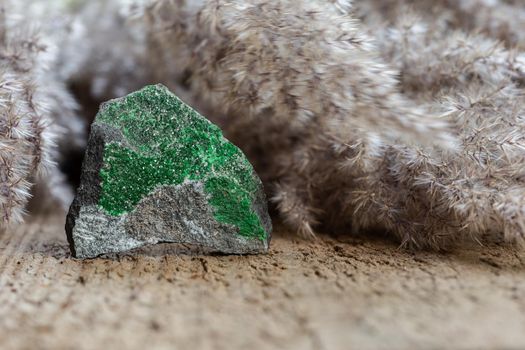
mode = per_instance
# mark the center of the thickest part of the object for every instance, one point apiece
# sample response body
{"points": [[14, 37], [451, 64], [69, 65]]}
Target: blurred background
{"points": [[389, 135]]}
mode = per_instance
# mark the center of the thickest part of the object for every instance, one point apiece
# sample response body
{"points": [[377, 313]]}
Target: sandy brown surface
{"points": [[348, 293]]}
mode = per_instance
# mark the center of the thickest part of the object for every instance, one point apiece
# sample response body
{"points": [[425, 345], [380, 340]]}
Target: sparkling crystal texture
{"points": [[157, 141]]}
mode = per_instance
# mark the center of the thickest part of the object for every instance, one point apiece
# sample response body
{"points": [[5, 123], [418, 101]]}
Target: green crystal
{"points": [[167, 143]]}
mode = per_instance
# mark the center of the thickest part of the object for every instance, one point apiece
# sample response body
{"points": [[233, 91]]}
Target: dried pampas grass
{"points": [[399, 115], [36, 115], [348, 120]]}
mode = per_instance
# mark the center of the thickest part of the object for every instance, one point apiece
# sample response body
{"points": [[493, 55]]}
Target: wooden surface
{"points": [[329, 294]]}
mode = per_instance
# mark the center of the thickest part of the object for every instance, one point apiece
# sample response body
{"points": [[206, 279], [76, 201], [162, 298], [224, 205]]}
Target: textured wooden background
{"points": [[329, 294]]}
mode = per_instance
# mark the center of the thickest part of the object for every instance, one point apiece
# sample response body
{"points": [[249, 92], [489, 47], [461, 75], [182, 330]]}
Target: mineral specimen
{"points": [[157, 171]]}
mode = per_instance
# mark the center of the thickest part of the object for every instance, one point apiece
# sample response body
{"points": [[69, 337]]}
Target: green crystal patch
{"points": [[168, 143]]}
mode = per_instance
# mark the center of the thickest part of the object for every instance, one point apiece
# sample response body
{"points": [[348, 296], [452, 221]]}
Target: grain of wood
{"points": [[333, 293]]}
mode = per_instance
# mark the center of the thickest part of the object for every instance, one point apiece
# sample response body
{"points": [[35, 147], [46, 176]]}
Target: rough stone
{"points": [[156, 171]]}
